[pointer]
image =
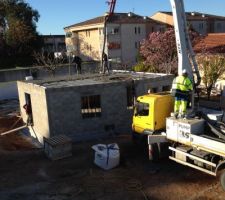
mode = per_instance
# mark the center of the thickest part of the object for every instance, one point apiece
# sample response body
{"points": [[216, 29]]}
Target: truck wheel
{"points": [[164, 150], [134, 138], [222, 179]]}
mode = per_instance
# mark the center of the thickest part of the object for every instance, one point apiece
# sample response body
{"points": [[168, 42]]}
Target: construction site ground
{"points": [[26, 173]]}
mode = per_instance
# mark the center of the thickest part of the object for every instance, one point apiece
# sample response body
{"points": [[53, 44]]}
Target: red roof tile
{"points": [[214, 42]]}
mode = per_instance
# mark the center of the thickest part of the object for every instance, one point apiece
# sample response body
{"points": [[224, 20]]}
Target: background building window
{"points": [[137, 45], [135, 30], [114, 31], [113, 45], [88, 34], [91, 106], [162, 29], [218, 26], [139, 30], [153, 29], [101, 31], [68, 34], [200, 26]]}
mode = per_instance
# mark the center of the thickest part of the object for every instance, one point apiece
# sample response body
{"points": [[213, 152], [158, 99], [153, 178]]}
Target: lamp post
{"points": [[69, 51]]}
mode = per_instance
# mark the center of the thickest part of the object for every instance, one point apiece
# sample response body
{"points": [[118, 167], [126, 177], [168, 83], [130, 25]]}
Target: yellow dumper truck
{"points": [[195, 142]]}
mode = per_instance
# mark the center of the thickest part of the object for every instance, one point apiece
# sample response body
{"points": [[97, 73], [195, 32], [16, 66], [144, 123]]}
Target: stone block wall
{"points": [[157, 84], [65, 110]]}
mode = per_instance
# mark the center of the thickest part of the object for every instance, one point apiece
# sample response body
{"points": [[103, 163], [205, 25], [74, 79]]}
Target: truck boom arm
{"points": [[184, 47]]}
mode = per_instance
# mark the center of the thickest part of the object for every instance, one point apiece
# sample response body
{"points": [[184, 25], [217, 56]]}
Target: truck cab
{"points": [[150, 113]]}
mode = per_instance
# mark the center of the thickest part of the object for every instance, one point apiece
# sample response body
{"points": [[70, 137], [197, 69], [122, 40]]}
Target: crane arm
{"points": [[112, 4], [186, 56], [184, 47]]}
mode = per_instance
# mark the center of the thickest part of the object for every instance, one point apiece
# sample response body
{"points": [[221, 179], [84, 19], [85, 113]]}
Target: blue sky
{"points": [[56, 14]]}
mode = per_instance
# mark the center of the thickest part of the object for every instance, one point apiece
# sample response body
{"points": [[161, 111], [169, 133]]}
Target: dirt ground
{"points": [[13, 141], [26, 173]]}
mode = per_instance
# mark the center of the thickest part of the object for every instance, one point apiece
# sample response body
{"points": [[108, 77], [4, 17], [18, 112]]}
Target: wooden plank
{"points": [[13, 130]]}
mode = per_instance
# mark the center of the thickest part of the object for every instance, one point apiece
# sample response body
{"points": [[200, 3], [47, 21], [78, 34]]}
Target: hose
{"points": [[136, 185], [213, 126]]}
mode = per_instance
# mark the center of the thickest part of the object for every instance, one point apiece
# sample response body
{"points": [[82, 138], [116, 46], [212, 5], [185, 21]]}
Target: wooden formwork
{"points": [[58, 147]]}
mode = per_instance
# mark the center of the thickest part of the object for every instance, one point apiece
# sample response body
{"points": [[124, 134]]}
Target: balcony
{"points": [[113, 45]]}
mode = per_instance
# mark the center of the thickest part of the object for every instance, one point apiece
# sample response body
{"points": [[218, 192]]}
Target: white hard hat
{"points": [[184, 71]]}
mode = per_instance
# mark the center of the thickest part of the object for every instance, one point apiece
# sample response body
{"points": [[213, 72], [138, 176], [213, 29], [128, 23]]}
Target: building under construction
{"points": [[87, 107]]}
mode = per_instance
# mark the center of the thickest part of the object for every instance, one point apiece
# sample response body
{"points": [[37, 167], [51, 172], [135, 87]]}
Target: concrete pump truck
{"points": [[197, 142]]}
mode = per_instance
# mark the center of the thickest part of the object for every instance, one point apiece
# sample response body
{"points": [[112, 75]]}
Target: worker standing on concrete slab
{"points": [[77, 60], [105, 64], [181, 88]]}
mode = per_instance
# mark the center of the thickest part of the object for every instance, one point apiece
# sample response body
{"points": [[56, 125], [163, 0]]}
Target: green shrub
{"points": [[141, 67]]}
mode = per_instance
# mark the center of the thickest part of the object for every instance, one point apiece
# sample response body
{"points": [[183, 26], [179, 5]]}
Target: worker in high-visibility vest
{"points": [[181, 88]]}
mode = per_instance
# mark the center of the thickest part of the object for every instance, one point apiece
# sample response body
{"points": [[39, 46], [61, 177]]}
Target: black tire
{"points": [[164, 150], [140, 141], [222, 179], [134, 138]]}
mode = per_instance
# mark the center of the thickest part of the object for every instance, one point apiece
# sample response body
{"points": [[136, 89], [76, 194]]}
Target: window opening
{"points": [[91, 106], [139, 30]]}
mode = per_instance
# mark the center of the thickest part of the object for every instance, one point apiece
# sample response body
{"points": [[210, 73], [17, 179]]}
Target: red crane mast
{"points": [[112, 4]]}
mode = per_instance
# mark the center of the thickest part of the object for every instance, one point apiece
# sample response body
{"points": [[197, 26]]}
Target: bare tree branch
{"points": [[48, 61]]}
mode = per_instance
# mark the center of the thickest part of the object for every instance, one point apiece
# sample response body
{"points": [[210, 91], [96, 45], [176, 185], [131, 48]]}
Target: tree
{"points": [[48, 61], [18, 31], [212, 67], [159, 51]]}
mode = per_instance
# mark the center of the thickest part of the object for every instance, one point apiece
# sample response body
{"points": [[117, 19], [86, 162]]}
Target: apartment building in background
{"points": [[54, 43], [124, 32], [200, 22]]}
